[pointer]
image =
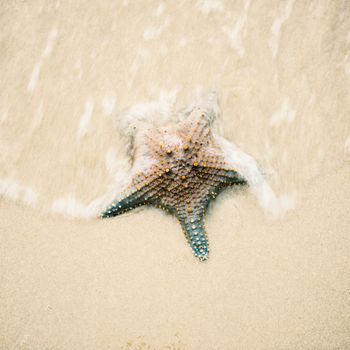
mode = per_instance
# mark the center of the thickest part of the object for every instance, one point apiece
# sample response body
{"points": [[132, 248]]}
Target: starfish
{"points": [[185, 169]]}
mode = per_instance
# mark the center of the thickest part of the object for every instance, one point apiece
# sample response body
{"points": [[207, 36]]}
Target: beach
{"points": [[70, 280]]}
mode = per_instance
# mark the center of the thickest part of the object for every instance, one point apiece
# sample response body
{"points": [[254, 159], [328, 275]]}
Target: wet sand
{"points": [[106, 284]]}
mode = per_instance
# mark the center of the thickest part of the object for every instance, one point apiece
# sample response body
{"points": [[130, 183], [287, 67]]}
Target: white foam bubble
{"points": [[235, 35], [109, 105], [347, 68], [52, 36], [38, 116], [10, 188], [78, 67], [246, 4], [122, 169], [157, 112], [14, 190], [154, 32], [30, 196], [159, 10], [276, 26], [51, 40], [85, 119], [69, 206], [34, 77], [238, 31], [208, 6], [286, 114], [4, 115], [183, 42], [347, 145]]}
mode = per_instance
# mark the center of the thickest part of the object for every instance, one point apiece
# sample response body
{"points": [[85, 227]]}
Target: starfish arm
{"points": [[224, 177], [118, 207], [232, 177], [140, 193], [196, 236], [196, 127]]}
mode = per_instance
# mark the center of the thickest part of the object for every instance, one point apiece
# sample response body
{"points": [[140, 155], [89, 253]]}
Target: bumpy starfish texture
{"points": [[187, 170]]}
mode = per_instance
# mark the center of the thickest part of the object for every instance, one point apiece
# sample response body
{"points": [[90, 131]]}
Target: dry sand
{"points": [[282, 71]]}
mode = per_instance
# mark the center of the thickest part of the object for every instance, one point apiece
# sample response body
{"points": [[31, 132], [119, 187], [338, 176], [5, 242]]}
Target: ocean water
{"points": [[69, 75]]}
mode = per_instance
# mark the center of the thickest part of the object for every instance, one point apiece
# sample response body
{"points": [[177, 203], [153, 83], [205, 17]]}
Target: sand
{"points": [[267, 284], [281, 70]]}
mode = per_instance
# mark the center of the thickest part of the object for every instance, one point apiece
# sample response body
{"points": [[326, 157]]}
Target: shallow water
{"points": [[281, 71], [281, 78]]}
